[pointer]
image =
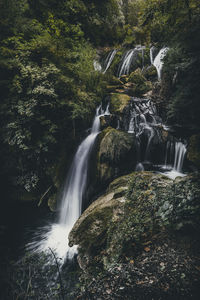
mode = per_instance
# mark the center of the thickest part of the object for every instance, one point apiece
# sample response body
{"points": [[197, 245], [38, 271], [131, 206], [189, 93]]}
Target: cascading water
{"points": [[147, 127], [56, 237], [180, 150], [175, 154], [105, 65], [144, 124], [158, 61], [109, 60], [129, 57]]}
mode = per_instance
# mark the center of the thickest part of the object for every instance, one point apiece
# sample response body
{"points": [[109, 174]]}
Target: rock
{"points": [[193, 153], [94, 222], [150, 73], [112, 88], [124, 78], [141, 85], [137, 208], [115, 81], [108, 120], [118, 102], [116, 154]]}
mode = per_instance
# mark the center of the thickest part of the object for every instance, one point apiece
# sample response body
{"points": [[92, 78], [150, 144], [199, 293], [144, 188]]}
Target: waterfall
{"points": [[109, 60], [144, 122], [174, 159], [158, 61], [127, 60], [147, 126], [56, 236], [180, 151]]}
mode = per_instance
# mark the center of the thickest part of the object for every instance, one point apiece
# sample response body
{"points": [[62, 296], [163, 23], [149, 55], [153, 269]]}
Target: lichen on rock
{"points": [[136, 208]]}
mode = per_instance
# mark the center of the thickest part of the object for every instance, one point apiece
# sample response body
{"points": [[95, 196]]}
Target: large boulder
{"points": [[115, 155], [137, 210]]}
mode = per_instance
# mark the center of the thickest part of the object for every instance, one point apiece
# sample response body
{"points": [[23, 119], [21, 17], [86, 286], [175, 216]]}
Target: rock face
{"points": [[115, 155], [135, 210]]}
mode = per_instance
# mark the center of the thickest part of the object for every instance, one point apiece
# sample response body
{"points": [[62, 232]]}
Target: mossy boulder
{"points": [[115, 154], [108, 121], [118, 102], [137, 208], [193, 153], [141, 85], [150, 73]]}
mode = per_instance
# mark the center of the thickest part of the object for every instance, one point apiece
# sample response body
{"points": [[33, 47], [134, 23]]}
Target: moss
{"points": [[150, 73], [115, 154], [137, 208], [115, 81], [194, 150], [141, 85], [118, 102]]}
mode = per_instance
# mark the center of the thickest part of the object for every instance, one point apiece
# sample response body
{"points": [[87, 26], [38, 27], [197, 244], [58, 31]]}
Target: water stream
{"points": [[128, 59], [158, 60], [147, 128], [174, 159], [55, 236], [109, 60]]}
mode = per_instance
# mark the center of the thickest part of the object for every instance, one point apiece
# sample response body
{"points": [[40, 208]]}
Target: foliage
{"points": [[47, 80]]}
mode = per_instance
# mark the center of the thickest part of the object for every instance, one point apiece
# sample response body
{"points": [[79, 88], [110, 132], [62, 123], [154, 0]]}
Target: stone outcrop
{"points": [[115, 155], [137, 208]]}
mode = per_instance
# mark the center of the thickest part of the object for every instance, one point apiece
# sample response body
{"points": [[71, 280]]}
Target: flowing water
{"points": [[128, 59], [174, 159], [147, 128], [109, 60], [55, 236], [158, 61], [144, 124]]}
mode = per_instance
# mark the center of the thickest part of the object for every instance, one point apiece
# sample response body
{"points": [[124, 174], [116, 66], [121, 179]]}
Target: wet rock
{"points": [[136, 210], [118, 102], [116, 153], [108, 120], [150, 73], [140, 84]]}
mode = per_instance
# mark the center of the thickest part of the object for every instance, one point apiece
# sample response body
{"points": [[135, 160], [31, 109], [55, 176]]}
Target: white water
{"points": [[158, 61], [55, 237], [178, 151], [97, 66], [144, 121], [109, 60], [139, 167], [127, 60]]}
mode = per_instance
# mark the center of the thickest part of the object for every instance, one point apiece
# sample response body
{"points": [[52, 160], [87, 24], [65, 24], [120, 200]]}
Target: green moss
{"points": [[118, 102], [136, 208], [150, 73], [141, 85]]}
